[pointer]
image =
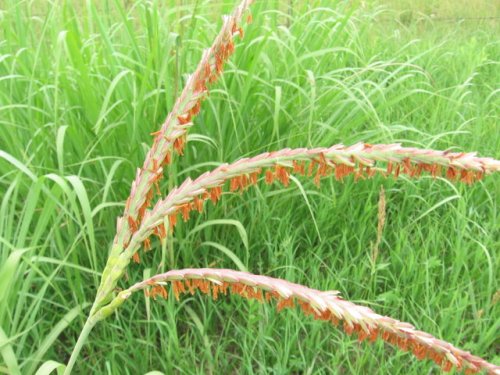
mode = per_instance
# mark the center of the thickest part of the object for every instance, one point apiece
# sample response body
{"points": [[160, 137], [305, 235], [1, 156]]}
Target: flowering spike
{"points": [[343, 159], [171, 135], [326, 306]]}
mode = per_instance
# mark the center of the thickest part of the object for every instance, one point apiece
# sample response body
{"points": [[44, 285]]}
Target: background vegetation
{"points": [[83, 84]]}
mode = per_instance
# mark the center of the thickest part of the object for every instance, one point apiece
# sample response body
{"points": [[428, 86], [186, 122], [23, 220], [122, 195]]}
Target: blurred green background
{"points": [[84, 83]]}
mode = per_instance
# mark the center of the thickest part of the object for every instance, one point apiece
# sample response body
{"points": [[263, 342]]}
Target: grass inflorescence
{"points": [[325, 306], [82, 89]]}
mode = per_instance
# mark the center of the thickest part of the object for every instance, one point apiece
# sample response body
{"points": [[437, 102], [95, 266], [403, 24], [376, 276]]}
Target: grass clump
{"points": [[278, 93]]}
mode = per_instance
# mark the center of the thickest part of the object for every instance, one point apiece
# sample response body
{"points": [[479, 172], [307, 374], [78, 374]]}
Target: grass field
{"points": [[82, 86]]}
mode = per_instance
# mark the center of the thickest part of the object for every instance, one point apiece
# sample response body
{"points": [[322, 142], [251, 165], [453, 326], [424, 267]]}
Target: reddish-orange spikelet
{"points": [[195, 109], [398, 171], [348, 328], [317, 179], [269, 177], [407, 166], [185, 210], [244, 182], [343, 170], [254, 177], [207, 71], [362, 336], [389, 168], [451, 173], [213, 76], [145, 205], [172, 220], [156, 180], [230, 48], [155, 166], [179, 145], [198, 204], [310, 169], [219, 63], [136, 258], [370, 172], [149, 196], [157, 290], [167, 159], [178, 288], [132, 224], [322, 171], [285, 303], [299, 167], [358, 174], [142, 210], [201, 88], [190, 285], [175, 289], [215, 194], [435, 170], [184, 119], [234, 183], [373, 335], [447, 366], [160, 231], [282, 175], [239, 183], [403, 343]]}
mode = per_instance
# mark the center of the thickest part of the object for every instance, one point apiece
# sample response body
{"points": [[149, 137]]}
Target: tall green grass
{"points": [[82, 85]]}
